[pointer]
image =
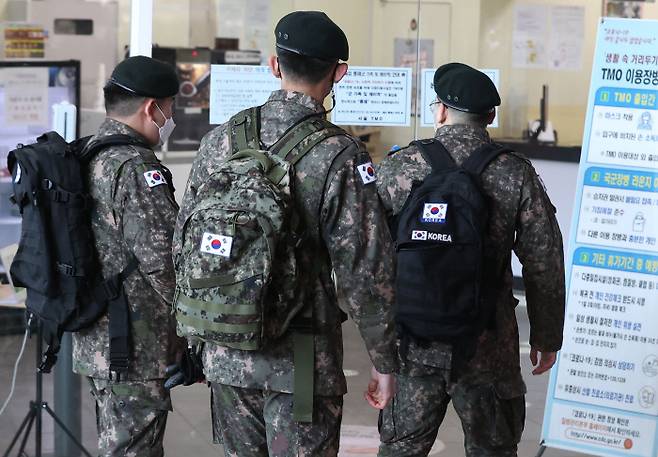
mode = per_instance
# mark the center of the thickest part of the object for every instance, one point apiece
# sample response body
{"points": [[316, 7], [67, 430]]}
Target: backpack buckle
{"points": [[65, 269], [46, 184], [110, 289]]}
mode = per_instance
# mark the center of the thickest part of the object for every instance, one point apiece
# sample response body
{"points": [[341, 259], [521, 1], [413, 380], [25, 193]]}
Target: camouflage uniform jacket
{"points": [[347, 232], [130, 218], [522, 219]]}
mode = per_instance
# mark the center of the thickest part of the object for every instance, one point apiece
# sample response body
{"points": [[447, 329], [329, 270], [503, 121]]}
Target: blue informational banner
{"points": [[603, 393]]}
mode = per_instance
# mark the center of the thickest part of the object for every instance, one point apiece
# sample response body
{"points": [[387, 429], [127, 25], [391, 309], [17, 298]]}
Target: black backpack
{"points": [[56, 261], [441, 284]]}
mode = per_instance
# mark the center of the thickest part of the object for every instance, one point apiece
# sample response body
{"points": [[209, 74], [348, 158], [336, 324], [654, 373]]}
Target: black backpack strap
{"points": [[93, 147], [482, 157], [119, 320], [435, 154]]}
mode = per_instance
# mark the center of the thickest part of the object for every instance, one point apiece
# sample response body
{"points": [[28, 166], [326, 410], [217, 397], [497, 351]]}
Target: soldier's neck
{"points": [[317, 91]]}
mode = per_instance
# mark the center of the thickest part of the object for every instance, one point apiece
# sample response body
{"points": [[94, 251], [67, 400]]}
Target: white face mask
{"points": [[166, 129]]}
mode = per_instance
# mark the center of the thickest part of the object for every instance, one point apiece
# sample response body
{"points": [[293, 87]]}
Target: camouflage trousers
{"points": [[408, 426], [130, 417], [255, 423]]}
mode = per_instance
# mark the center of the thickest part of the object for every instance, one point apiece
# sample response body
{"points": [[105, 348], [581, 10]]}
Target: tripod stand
{"points": [[34, 415]]}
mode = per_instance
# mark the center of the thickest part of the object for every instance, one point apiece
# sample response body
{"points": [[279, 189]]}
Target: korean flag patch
{"points": [[154, 178], [367, 172], [434, 213], [419, 235], [212, 243]]}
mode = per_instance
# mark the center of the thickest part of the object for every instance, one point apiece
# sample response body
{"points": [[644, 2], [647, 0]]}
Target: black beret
{"points": [[465, 89], [312, 34], [146, 77]]}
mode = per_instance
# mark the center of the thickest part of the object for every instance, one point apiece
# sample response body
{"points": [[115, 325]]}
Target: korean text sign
{"points": [[603, 394]]}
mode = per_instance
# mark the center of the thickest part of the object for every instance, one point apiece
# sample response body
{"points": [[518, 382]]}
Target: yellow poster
{"points": [[23, 41]]}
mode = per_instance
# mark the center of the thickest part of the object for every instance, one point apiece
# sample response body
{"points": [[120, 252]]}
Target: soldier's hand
{"points": [[188, 371], [381, 389], [546, 361]]}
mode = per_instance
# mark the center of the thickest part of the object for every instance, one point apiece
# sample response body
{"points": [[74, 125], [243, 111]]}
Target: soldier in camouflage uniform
{"points": [[133, 216], [253, 390], [488, 391]]}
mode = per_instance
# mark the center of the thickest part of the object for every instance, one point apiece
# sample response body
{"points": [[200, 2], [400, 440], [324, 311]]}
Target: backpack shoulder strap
{"points": [[244, 130], [482, 157], [295, 136], [93, 147], [435, 153]]}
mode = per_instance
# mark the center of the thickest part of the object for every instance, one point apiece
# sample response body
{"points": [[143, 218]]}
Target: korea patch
{"points": [[367, 173], [434, 213], [154, 178], [419, 235], [19, 173], [212, 243]]}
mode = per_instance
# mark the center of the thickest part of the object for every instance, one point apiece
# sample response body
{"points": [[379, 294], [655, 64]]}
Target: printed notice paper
{"points": [[373, 96], [603, 393], [237, 87]]}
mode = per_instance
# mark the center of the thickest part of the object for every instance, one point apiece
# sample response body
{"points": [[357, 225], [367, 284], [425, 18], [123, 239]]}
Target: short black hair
{"points": [[463, 117], [302, 68], [121, 102]]}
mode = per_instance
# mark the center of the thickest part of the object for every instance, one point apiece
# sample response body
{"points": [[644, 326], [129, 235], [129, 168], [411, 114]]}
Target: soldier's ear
{"points": [[491, 117], [341, 70], [273, 63]]}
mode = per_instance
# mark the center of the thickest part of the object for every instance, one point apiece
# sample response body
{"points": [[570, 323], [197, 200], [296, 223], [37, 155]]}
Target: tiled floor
{"points": [[188, 432]]}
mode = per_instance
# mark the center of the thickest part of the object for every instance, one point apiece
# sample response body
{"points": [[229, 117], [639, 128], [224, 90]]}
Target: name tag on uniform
{"points": [[154, 178], [367, 173], [212, 243]]}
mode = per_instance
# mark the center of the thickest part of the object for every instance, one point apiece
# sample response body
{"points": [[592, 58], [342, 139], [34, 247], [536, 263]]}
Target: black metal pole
{"points": [[39, 399], [67, 402]]}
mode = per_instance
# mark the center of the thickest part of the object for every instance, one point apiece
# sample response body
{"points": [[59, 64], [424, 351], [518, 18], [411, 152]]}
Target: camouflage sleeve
{"points": [[147, 223], [538, 246], [355, 232]]}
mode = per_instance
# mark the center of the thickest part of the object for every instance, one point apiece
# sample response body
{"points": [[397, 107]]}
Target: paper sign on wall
{"points": [[237, 87], [428, 95], [603, 393], [25, 96], [374, 96]]}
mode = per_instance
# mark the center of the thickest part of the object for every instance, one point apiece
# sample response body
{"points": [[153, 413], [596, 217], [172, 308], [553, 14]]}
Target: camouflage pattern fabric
{"points": [[130, 417], [522, 220], [409, 424], [345, 229], [254, 423], [132, 217]]}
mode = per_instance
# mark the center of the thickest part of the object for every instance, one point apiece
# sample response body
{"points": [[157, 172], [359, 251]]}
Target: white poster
{"points": [[248, 20], [25, 96], [529, 36], [603, 393], [428, 95], [374, 96], [565, 48], [237, 87]]}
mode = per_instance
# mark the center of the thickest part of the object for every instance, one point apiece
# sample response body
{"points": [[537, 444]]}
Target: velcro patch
{"points": [[367, 172], [154, 178], [212, 243], [434, 212]]}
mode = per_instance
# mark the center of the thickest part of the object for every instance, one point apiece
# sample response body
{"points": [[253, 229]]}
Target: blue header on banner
{"points": [[616, 260], [627, 98], [644, 181]]}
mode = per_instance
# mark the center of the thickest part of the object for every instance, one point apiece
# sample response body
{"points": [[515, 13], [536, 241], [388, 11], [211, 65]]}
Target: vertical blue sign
{"points": [[603, 394]]}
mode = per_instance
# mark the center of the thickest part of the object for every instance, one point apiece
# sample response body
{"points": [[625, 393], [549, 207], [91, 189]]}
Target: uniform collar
{"points": [[112, 127], [289, 96], [461, 131]]}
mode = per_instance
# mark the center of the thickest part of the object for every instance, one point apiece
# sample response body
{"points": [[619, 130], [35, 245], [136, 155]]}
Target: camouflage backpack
{"points": [[237, 279]]}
